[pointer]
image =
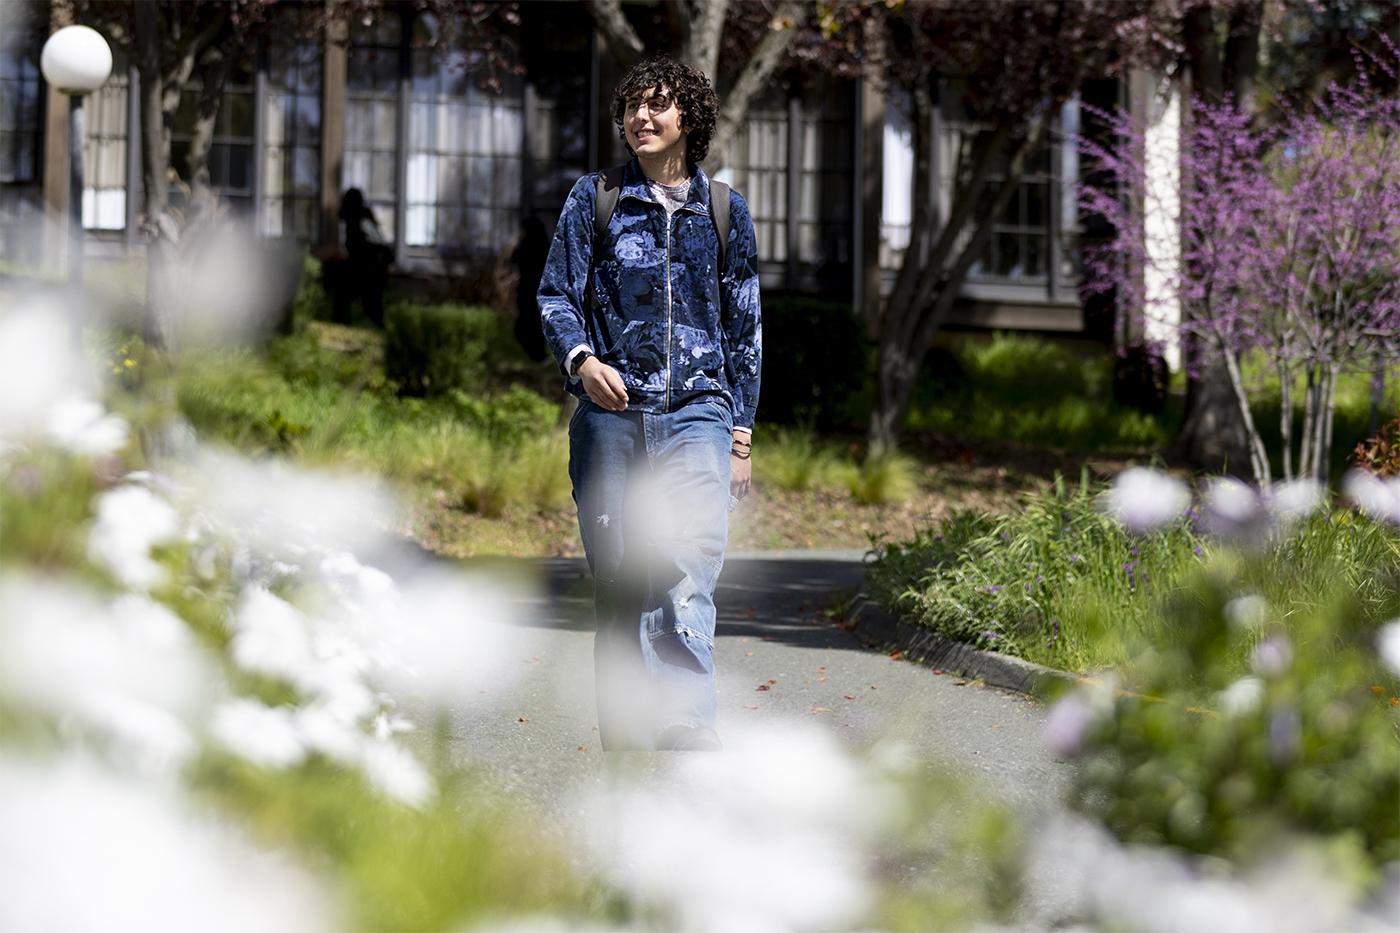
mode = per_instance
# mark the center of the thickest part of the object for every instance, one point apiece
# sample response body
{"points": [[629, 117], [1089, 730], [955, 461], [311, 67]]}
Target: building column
{"points": [[333, 70]]}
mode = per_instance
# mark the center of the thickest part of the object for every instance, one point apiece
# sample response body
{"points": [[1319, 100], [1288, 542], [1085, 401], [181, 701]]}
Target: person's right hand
{"points": [[603, 384]]}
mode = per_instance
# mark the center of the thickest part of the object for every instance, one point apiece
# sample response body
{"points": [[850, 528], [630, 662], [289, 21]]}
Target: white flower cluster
{"points": [[1144, 499]]}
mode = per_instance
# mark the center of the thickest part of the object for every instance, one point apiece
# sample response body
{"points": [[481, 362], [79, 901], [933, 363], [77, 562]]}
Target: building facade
{"points": [[451, 170]]}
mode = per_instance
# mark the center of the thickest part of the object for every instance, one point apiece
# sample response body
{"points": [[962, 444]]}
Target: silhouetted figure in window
{"points": [[529, 257], [367, 267]]}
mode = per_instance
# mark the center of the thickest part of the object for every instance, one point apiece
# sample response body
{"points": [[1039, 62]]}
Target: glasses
{"points": [[657, 103]]}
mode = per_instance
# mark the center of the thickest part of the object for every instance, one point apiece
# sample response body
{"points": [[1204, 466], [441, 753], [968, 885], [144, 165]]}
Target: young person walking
{"points": [[650, 302]]}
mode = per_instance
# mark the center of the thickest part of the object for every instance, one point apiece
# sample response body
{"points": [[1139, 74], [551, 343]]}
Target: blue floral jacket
{"points": [[674, 329]]}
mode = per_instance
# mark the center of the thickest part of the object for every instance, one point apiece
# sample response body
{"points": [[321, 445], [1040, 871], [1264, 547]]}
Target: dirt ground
{"points": [[957, 473]]}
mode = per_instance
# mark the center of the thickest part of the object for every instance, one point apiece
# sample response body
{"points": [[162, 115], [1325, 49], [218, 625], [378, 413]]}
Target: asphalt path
{"points": [[780, 661]]}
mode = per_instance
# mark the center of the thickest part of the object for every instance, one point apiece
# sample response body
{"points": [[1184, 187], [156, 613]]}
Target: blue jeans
{"points": [[653, 512]]}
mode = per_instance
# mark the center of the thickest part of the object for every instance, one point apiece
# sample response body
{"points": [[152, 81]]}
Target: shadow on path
{"points": [[773, 597]]}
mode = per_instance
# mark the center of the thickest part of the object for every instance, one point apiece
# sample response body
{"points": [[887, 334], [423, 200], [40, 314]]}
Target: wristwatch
{"points": [[578, 361]]}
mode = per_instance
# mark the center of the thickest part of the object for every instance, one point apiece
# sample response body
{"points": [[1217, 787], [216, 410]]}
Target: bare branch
{"points": [[622, 39], [754, 78]]}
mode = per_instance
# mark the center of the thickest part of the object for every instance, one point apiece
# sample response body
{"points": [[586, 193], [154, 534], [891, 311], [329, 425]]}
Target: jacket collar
{"points": [[634, 185]]}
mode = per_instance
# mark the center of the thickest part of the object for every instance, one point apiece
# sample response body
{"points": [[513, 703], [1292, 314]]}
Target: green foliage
{"points": [[883, 477], [332, 404], [795, 459], [433, 349], [1057, 582], [465, 858], [1060, 583], [1194, 755], [311, 301], [1029, 390], [815, 364]]}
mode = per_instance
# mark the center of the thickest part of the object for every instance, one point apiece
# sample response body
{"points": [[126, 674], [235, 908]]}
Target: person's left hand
{"points": [[741, 470]]}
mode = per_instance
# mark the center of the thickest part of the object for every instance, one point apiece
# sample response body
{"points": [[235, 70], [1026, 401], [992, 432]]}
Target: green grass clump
{"points": [[334, 406], [1061, 583], [1032, 391], [467, 857], [797, 460]]}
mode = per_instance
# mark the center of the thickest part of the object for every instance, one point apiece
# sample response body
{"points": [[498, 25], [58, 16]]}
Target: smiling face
{"points": [[652, 123]]}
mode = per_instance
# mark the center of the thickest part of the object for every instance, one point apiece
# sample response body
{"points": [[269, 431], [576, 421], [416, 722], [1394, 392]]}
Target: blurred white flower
{"points": [[1144, 499], [767, 835], [451, 637], [82, 426], [1273, 655], [333, 735], [271, 636], [286, 513], [1290, 501], [263, 735], [1378, 497], [1081, 877], [130, 521], [40, 368], [128, 669], [1246, 612], [397, 773], [1066, 724], [1233, 507], [1388, 644], [81, 850], [1242, 697]]}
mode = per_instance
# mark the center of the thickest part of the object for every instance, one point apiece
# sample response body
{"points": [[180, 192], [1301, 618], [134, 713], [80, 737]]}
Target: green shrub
{"points": [[814, 361], [433, 349], [1029, 390], [1201, 752], [883, 477], [311, 302], [796, 460]]}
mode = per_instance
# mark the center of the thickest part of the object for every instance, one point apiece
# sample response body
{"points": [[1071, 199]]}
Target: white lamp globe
{"points": [[76, 60]]}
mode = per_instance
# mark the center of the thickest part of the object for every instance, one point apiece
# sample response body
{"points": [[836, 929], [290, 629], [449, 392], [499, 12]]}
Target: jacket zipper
{"points": [[669, 315]]}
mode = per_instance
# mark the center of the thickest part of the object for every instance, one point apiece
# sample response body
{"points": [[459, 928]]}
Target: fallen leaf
{"points": [[523, 719], [750, 706], [959, 683], [821, 678], [763, 687], [850, 696], [848, 725], [937, 671], [749, 653], [996, 727], [743, 639], [873, 687], [771, 638], [583, 748], [820, 709], [895, 654]]}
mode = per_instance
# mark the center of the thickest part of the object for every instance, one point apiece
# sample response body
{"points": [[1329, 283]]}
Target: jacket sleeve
{"points": [[564, 285], [742, 324]]}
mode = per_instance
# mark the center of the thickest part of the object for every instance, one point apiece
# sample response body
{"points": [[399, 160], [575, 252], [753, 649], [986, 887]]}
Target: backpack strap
{"points": [[719, 214]]}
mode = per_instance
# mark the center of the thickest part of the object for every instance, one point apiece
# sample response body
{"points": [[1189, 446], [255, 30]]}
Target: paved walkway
{"points": [[540, 736]]}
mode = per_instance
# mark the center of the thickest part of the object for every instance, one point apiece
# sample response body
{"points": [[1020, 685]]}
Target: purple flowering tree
{"points": [[1289, 241]]}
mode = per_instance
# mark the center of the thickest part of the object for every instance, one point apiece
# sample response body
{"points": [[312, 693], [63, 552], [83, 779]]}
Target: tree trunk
{"points": [[1285, 415], [214, 79], [158, 328], [1258, 458], [753, 80], [927, 287], [1213, 435]]}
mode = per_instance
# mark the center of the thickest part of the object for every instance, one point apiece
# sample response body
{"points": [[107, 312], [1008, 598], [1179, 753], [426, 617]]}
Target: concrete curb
{"points": [[869, 622]]}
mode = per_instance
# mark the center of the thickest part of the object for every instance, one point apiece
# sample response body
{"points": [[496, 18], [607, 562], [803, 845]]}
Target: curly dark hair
{"points": [[698, 102]]}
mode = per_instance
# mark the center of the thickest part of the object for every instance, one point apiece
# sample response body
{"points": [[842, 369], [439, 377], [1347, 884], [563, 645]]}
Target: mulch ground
{"points": [[957, 473]]}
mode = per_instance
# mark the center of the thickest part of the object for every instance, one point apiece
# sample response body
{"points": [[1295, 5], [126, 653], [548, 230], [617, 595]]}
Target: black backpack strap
{"points": [[719, 214], [609, 190]]}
